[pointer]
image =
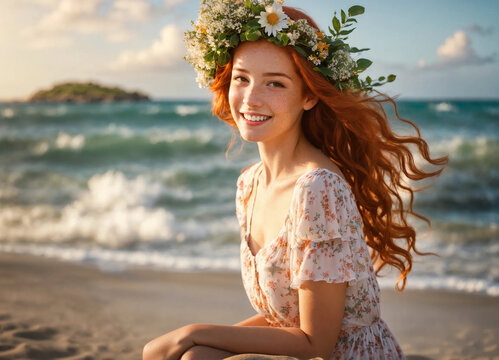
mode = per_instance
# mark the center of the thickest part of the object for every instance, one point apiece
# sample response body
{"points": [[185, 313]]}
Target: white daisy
{"points": [[274, 19]]}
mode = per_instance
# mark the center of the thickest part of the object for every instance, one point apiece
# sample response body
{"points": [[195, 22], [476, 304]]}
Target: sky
{"points": [[439, 49]]}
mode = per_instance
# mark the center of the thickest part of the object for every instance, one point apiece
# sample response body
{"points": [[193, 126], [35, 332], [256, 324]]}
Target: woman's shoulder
{"points": [[323, 187], [321, 179]]}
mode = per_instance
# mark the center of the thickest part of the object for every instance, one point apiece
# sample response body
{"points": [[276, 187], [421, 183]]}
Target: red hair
{"points": [[352, 129]]}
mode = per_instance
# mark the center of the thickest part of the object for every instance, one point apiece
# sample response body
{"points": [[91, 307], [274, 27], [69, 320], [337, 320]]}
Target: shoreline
{"points": [[109, 262], [52, 309]]}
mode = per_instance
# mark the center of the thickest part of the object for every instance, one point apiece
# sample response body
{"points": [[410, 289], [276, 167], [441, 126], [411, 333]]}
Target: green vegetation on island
{"points": [[86, 92]]}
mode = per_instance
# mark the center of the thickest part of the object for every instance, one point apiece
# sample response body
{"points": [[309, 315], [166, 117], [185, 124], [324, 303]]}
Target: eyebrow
{"points": [[265, 74]]}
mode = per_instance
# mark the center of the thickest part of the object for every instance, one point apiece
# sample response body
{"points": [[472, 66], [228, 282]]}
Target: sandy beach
{"points": [[59, 310]]}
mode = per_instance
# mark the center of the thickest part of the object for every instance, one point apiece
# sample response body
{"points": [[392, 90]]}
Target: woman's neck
{"points": [[285, 159]]}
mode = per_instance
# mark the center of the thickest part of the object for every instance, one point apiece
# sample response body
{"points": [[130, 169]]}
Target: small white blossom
{"points": [[293, 36], [342, 65]]}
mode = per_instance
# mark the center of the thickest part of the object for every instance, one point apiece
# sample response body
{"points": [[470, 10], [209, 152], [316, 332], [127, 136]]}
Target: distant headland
{"points": [[86, 92]]}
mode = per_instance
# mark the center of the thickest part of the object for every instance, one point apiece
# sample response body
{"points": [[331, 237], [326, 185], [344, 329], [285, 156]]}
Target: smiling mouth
{"points": [[256, 118]]}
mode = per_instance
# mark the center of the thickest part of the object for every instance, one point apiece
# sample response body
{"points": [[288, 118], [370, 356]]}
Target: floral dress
{"points": [[321, 239]]}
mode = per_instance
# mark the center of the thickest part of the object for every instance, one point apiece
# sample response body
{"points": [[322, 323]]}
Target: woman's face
{"points": [[265, 95]]}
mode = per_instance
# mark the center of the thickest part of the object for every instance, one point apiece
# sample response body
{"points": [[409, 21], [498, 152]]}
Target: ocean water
{"points": [[149, 184]]}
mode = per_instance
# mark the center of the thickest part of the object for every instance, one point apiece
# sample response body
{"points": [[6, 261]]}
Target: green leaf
{"points": [[326, 72], [253, 35], [355, 10], [284, 39], [346, 32], [302, 42], [381, 78], [248, 4], [343, 17], [337, 42], [356, 81], [253, 23], [242, 37], [336, 24], [257, 9], [331, 31], [391, 77], [363, 64], [275, 41], [369, 80], [210, 56], [351, 20], [223, 58], [355, 50], [300, 51], [234, 40]]}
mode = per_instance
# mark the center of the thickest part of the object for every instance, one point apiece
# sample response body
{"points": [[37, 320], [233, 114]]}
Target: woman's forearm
{"points": [[289, 341], [256, 320]]}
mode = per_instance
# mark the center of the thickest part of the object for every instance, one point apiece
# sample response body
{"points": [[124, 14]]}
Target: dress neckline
{"points": [[247, 224]]}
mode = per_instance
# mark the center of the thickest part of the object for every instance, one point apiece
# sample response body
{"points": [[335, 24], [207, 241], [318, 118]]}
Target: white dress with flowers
{"points": [[321, 239]]}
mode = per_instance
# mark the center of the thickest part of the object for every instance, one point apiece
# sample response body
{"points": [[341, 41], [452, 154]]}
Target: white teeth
{"points": [[256, 118]]}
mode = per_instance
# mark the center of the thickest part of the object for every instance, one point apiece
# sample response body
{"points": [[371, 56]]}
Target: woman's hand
{"points": [[169, 346]]}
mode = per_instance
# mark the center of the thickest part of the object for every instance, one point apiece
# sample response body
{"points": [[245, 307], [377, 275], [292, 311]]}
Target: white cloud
{"points": [[130, 11], [85, 17], [456, 51], [458, 46], [164, 53]]}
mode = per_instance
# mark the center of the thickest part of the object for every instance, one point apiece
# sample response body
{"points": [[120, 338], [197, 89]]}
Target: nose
{"points": [[252, 97]]}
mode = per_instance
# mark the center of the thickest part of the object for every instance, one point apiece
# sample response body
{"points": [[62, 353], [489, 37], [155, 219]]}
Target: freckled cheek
{"points": [[279, 104]]}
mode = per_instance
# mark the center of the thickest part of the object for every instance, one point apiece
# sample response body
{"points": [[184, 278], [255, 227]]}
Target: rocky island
{"points": [[86, 92]]}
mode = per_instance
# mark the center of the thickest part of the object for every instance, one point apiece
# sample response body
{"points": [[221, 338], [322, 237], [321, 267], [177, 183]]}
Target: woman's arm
{"points": [[321, 313], [256, 320]]}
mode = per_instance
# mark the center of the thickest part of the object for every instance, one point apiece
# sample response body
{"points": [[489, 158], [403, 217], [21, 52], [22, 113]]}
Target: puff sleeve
{"points": [[326, 240]]}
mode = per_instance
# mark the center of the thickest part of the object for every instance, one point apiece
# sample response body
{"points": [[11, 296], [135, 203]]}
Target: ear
{"points": [[310, 101]]}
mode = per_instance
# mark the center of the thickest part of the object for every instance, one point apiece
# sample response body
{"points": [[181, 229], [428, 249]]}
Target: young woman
{"points": [[321, 197]]}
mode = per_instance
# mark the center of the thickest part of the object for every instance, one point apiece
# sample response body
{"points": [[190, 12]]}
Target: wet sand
{"points": [[58, 310]]}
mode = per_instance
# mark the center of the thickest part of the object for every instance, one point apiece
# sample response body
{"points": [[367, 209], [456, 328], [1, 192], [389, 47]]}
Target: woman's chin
{"points": [[251, 138]]}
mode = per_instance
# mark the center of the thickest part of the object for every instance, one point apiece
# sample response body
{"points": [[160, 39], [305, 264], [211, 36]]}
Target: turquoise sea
{"points": [[148, 184]]}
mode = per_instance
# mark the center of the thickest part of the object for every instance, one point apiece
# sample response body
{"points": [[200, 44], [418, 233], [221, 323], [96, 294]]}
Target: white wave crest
{"points": [[444, 107], [121, 130], [8, 113], [184, 110], [202, 135], [66, 141], [478, 146], [114, 212]]}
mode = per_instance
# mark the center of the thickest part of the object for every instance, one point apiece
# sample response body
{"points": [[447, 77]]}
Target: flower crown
{"points": [[223, 24]]}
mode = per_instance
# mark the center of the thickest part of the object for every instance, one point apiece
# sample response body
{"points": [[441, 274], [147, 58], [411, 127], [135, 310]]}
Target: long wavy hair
{"points": [[352, 129]]}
